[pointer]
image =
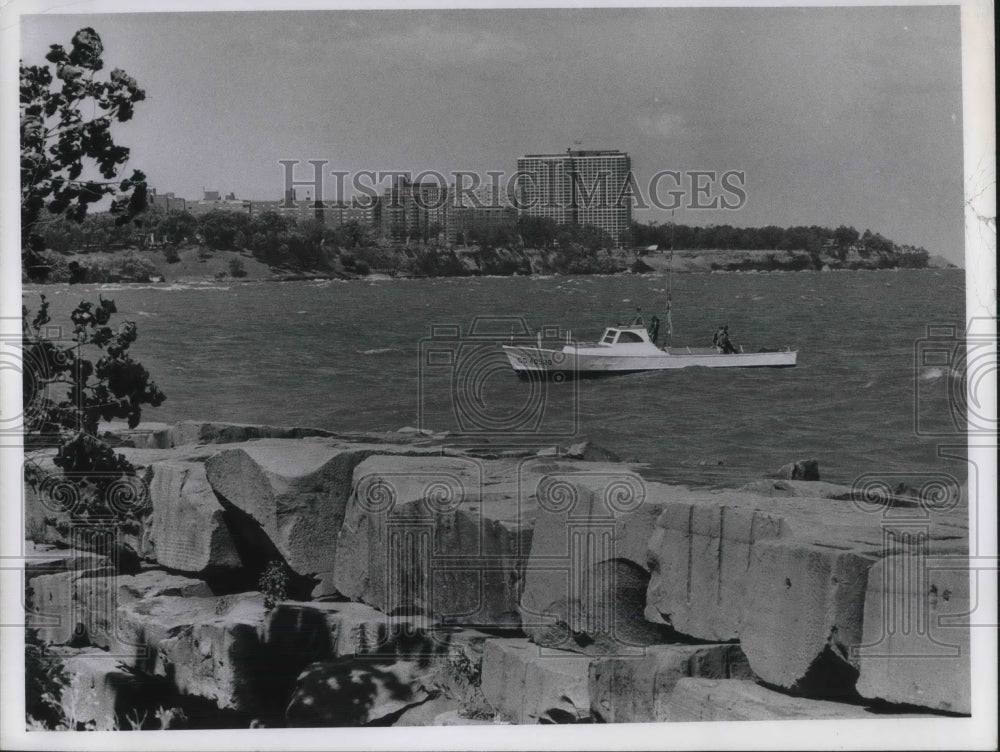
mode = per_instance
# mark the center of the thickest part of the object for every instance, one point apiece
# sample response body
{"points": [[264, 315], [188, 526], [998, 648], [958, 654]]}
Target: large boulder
{"points": [[207, 647], [288, 499], [696, 699], [637, 689], [444, 536], [699, 550], [81, 607], [916, 642], [807, 470], [586, 579], [806, 616], [201, 432], [786, 576], [526, 683], [187, 529], [101, 695]]}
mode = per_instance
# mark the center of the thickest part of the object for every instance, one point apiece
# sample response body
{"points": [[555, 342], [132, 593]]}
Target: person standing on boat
{"points": [[724, 343], [637, 320], [654, 329], [717, 337]]}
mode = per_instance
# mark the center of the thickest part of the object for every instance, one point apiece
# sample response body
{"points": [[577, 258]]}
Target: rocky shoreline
{"points": [[428, 584]]}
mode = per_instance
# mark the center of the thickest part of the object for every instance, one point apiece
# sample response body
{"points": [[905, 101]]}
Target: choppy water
{"points": [[355, 356]]}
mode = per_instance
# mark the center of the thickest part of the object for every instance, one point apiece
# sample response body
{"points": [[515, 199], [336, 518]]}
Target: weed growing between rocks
{"points": [[273, 584]]}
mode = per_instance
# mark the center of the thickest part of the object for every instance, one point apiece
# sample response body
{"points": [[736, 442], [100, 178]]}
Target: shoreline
{"points": [[211, 282], [711, 587]]}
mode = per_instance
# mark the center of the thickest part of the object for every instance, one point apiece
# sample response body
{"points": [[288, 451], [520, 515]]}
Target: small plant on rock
{"points": [[273, 584]]}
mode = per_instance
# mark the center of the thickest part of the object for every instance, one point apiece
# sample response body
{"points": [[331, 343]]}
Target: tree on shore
{"points": [[69, 160]]}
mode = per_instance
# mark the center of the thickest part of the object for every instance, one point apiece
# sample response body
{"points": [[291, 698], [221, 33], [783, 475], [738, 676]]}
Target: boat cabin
{"points": [[624, 336]]}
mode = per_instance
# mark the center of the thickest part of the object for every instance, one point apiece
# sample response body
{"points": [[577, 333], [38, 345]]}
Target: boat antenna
{"points": [[670, 283]]}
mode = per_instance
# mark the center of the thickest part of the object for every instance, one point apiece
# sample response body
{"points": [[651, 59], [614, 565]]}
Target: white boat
{"points": [[627, 349]]}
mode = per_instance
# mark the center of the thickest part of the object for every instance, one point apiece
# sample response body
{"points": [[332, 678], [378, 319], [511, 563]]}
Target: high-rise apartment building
{"points": [[577, 187], [413, 211]]}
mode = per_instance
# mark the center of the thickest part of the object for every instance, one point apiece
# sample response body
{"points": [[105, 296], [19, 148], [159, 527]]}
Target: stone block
{"points": [[915, 648], [638, 689], [735, 700], [447, 537], [699, 551], [207, 647], [804, 615], [586, 579], [295, 492], [187, 529], [526, 683]]}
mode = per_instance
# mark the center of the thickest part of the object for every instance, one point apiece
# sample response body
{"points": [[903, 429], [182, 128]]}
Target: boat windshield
{"points": [[609, 336], [629, 337]]}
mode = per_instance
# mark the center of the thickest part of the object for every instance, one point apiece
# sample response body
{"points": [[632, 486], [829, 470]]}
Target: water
{"points": [[358, 356]]}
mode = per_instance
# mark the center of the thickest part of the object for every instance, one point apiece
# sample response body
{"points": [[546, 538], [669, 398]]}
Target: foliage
{"points": [[103, 483], [236, 268], [219, 228], [59, 142], [537, 232], [176, 227], [44, 679], [273, 584]]}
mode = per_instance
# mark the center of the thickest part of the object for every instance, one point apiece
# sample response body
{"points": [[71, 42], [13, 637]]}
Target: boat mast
{"points": [[670, 283]]}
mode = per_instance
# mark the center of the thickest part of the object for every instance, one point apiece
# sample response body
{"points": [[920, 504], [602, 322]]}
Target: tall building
{"points": [[413, 210], [577, 187], [480, 210]]}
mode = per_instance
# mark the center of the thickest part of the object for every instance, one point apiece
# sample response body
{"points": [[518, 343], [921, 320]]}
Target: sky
{"points": [[835, 115]]}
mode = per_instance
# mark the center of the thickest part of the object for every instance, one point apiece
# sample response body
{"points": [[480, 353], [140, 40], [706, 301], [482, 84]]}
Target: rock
{"points": [[816, 489], [295, 492], [150, 435], [529, 684], [699, 550], [586, 451], [734, 700], [915, 648], [207, 647], [82, 607], [347, 692], [586, 579], [638, 688], [442, 536], [187, 528], [804, 615], [103, 696], [787, 577], [426, 713], [799, 470], [196, 432], [58, 611], [43, 558], [455, 718]]}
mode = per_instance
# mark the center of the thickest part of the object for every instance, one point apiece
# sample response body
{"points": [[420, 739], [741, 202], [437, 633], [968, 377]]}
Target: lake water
{"points": [[360, 355]]}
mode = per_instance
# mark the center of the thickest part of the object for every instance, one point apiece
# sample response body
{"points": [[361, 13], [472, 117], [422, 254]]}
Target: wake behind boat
{"points": [[628, 349]]}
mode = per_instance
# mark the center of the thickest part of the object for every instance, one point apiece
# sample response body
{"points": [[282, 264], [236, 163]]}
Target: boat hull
{"points": [[526, 360]]}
